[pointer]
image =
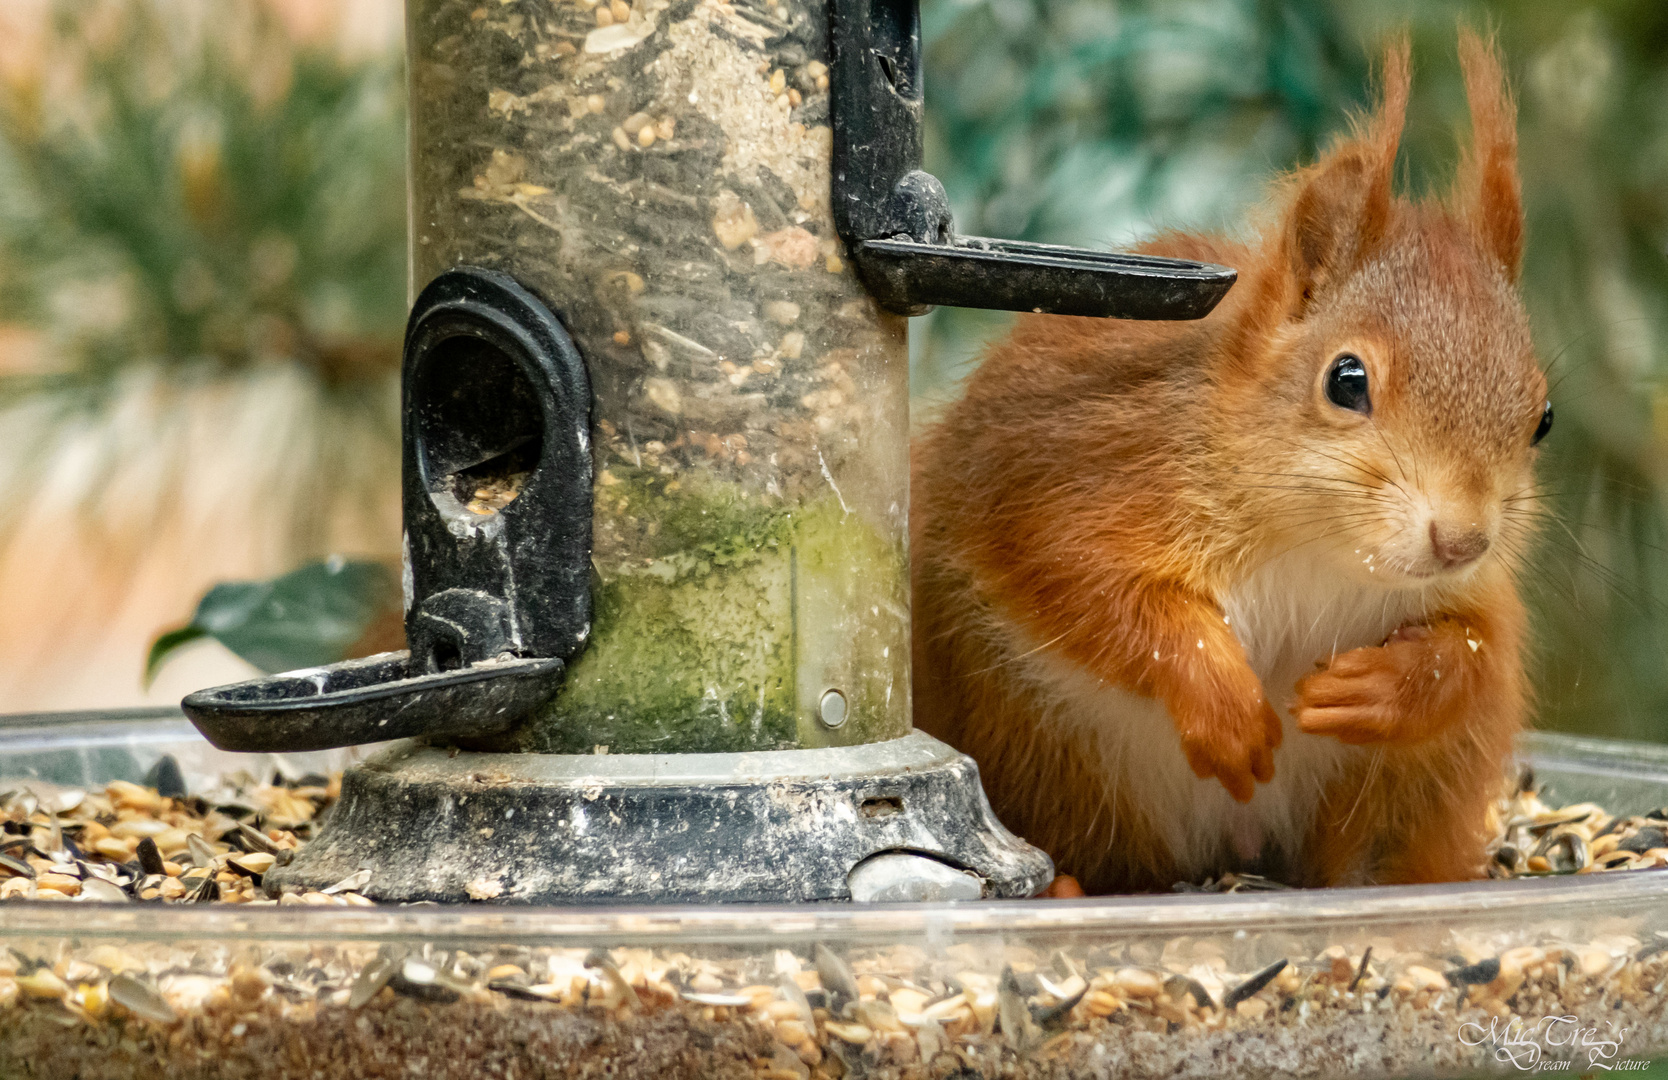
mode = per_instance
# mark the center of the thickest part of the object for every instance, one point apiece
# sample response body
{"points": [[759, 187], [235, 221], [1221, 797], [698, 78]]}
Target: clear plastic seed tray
{"points": [[1494, 976]]}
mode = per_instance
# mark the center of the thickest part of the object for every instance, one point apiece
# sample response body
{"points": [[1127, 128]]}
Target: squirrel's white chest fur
{"points": [[1288, 614]]}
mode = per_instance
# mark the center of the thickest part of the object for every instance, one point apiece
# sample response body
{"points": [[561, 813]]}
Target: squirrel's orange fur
{"points": [[1188, 614]]}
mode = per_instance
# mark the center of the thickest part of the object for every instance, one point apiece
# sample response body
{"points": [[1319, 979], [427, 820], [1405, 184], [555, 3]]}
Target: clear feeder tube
{"points": [[659, 174]]}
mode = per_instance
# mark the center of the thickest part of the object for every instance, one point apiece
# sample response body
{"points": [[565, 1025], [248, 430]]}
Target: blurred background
{"points": [[202, 292]]}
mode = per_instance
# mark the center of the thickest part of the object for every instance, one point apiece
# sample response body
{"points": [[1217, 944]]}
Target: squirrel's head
{"points": [[1409, 396]]}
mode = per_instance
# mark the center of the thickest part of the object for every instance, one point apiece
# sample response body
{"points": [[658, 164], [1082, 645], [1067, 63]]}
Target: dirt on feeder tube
{"points": [[658, 173]]}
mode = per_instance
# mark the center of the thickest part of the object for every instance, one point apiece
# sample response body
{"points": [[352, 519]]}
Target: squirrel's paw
{"points": [[1238, 750], [1063, 887], [1358, 697]]}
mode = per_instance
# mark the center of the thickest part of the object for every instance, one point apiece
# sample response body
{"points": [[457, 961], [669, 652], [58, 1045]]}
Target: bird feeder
{"points": [[655, 469]]}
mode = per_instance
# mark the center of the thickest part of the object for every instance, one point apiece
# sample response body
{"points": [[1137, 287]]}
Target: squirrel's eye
{"points": [[1346, 384], [1544, 426]]}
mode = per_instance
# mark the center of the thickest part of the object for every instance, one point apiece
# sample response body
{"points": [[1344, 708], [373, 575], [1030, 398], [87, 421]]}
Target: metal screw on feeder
{"points": [[655, 430]]}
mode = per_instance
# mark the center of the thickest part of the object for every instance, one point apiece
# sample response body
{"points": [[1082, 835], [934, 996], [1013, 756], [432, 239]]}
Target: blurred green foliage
{"points": [[1096, 121], [200, 193], [1101, 121]]}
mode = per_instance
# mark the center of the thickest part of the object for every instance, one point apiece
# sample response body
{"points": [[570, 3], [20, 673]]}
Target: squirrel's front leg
{"points": [[1172, 643], [1228, 728], [1423, 681]]}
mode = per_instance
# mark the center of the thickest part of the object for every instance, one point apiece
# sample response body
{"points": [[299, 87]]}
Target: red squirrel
{"points": [[1238, 594]]}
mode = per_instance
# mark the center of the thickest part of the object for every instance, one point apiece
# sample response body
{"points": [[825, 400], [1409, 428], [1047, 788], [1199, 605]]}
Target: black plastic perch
{"points": [[371, 700], [895, 218], [497, 592]]}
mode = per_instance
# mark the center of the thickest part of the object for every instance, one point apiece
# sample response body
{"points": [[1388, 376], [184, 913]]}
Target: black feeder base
{"points": [[899, 820]]}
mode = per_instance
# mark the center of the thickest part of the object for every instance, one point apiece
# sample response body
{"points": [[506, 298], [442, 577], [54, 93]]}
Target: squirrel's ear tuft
{"points": [[1488, 195], [1341, 210]]}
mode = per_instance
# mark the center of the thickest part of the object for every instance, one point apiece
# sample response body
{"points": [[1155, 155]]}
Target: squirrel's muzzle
{"points": [[1456, 545]]}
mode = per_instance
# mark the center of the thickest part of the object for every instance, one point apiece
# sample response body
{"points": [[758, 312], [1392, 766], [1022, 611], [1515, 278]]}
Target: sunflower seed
{"points": [[516, 990], [1178, 985], [1361, 971], [795, 996], [141, 1000], [165, 778], [201, 854], [1565, 851], [1478, 974], [1644, 840], [836, 977], [352, 883], [150, 859], [102, 891], [418, 979], [1012, 1013], [1051, 1016], [371, 979], [1250, 986], [1569, 815], [254, 840], [617, 985]]}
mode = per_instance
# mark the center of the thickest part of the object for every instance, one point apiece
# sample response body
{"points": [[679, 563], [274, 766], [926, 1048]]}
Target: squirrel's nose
{"points": [[1456, 545]]}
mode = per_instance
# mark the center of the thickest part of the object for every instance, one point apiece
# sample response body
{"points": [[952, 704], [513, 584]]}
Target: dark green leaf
{"points": [[165, 644], [308, 617]]}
